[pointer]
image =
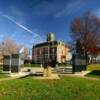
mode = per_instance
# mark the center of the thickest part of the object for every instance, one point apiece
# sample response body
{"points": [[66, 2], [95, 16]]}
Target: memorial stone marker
{"points": [[13, 63], [78, 63], [7, 63]]}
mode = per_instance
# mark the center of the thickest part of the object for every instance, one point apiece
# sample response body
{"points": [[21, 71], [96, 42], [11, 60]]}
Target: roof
{"points": [[49, 43], [45, 44]]}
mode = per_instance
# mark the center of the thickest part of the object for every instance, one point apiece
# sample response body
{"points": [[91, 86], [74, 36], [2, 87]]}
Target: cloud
{"points": [[57, 8], [1, 36], [46, 8], [97, 12], [70, 7], [33, 34], [17, 13], [21, 26]]}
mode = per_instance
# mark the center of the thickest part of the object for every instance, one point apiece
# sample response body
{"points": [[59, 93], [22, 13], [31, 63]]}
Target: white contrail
{"points": [[20, 25]]}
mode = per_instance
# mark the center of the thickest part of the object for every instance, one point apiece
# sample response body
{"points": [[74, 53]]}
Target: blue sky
{"points": [[28, 21]]}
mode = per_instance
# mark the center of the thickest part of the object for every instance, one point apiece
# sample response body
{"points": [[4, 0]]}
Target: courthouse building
{"points": [[51, 50]]}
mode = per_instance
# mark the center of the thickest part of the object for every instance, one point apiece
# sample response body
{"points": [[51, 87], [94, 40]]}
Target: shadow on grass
{"points": [[94, 73], [25, 76], [31, 75]]}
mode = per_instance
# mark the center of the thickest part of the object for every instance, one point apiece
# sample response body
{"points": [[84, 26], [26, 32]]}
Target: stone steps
{"points": [[63, 70]]}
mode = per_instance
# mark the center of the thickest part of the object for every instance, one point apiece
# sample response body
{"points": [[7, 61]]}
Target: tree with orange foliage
{"points": [[86, 29]]}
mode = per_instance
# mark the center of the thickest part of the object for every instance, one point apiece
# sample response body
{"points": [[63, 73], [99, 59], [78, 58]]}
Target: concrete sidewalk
{"points": [[15, 76], [81, 75]]}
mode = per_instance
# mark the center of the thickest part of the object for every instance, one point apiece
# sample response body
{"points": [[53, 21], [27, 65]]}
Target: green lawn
{"points": [[93, 67], [3, 76], [1, 68], [67, 88], [95, 70], [31, 65]]}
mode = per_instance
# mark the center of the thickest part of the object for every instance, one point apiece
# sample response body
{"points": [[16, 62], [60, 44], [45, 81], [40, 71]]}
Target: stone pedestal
{"points": [[47, 72]]}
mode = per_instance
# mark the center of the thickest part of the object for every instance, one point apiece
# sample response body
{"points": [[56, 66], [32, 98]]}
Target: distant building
{"points": [[95, 59], [55, 51]]}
